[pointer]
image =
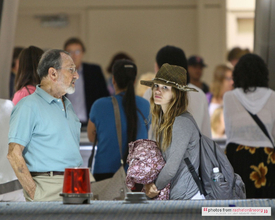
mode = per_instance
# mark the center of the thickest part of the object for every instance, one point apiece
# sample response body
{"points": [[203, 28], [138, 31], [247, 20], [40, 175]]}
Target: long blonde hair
{"points": [[162, 124], [217, 82]]}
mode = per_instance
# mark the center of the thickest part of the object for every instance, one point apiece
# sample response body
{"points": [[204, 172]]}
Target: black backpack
{"points": [[211, 155]]}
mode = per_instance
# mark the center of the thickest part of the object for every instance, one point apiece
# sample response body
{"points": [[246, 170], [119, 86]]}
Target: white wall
{"points": [[211, 34], [240, 23], [139, 32], [138, 27], [29, 31]]}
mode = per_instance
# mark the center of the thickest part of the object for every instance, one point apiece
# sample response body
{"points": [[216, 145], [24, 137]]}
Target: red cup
{"points": [[77, 180]]}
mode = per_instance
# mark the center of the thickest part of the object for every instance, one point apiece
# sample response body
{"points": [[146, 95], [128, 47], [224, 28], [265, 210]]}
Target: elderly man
{"points": [[44, 130]]}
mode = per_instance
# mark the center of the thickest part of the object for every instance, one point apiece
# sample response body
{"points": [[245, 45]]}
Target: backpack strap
{"points": [[189, 116], [189, 164], [195, 176]]}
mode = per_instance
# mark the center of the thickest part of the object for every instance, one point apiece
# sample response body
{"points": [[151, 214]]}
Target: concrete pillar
{"points": [[7, 33], [264, 41]]}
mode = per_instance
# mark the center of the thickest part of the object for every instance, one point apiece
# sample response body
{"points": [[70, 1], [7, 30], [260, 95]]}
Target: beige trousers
{"points": [[47, 188]]}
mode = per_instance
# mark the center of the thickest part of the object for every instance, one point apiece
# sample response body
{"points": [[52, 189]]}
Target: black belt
{"points": [[50, 173]]}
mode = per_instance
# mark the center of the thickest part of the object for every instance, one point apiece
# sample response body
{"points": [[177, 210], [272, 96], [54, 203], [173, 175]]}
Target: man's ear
{"points": [[52, 73]]}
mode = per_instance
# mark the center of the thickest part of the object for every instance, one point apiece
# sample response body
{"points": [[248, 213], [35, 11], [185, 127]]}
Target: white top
{"points": [[240, 127], [197, 106], [6, 172], [213, 107]]}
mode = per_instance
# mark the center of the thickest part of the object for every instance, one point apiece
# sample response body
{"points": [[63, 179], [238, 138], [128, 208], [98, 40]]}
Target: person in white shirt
{"points": [[10, 188], [249, 150], [198, 105]]}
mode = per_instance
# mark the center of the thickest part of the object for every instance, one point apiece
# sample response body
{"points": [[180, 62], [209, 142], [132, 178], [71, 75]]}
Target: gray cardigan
{"points": [[185, 143]]}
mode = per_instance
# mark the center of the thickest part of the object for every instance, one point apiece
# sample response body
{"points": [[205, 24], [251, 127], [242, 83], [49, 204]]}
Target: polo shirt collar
{"points": [[48, 98]]}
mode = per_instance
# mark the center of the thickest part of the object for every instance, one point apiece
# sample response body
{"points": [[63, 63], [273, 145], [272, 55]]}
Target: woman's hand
{"points": [[151, 190]]}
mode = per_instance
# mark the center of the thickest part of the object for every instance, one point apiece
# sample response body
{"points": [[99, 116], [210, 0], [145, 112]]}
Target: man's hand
{"points": [[20, 168], [151, 190]]}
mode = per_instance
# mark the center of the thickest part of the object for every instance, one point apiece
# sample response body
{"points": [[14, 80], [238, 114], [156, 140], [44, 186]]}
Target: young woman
{"points": [[133, 112], [175, 133], [27, 77], [222, 82], [248, 149]]}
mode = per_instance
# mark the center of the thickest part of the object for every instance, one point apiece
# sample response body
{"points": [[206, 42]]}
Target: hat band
{"points": [[181, 87]]}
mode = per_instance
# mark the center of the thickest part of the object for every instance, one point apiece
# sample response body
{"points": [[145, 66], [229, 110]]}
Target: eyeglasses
{"points": [[75, 52], [71, 69]]}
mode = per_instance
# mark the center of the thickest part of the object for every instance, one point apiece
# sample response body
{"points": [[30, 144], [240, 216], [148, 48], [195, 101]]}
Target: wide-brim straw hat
{"points": [[170, 75]]}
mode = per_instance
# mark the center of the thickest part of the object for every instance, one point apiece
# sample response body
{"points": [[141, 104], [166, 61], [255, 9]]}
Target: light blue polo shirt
{"points": [[49, 133]]}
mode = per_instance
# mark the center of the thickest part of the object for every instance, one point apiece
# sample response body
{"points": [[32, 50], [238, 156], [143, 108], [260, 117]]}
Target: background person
{"points": [[10, 188], [91, 84], [222, 82], [117, 56], [133, 111], [248, 149], [195, 70], [235, 54], [27, 77], [44, 131], [176, 135], [14, 68]]}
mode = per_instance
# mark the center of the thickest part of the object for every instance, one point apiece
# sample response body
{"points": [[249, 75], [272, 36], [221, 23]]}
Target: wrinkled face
{"points": [[227, 82], [162, 95], [76, 52], [195, 72], [67, 75]]}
